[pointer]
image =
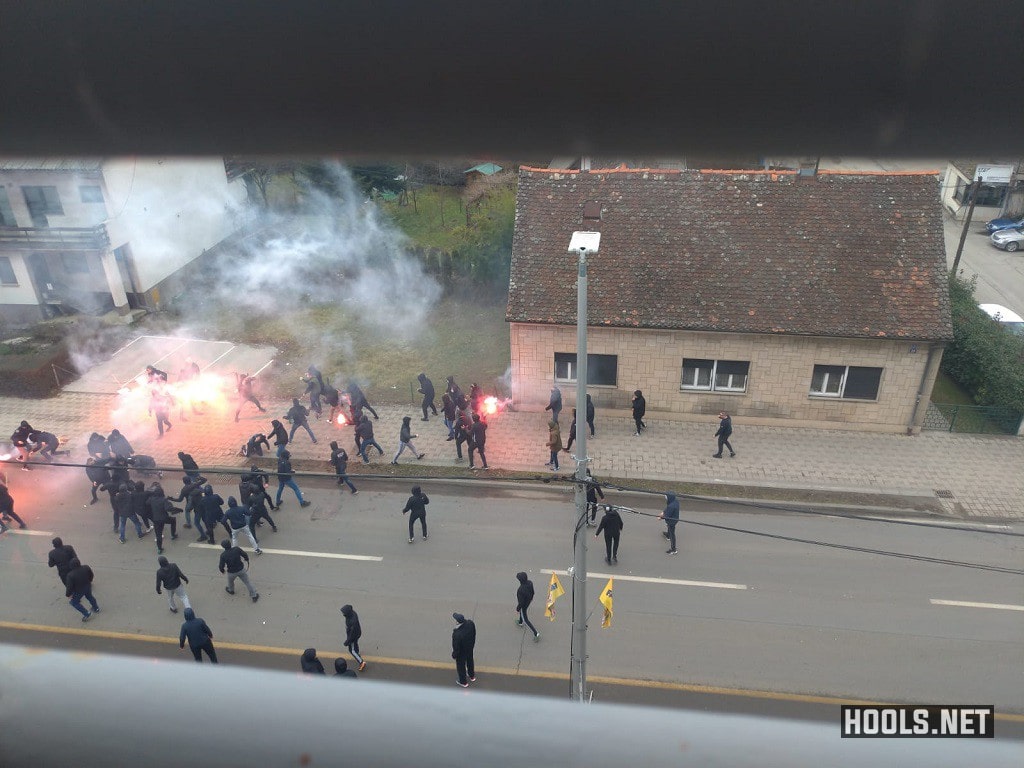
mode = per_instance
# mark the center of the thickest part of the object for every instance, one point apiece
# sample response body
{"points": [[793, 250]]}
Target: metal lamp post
{"points": [[582, 244]]}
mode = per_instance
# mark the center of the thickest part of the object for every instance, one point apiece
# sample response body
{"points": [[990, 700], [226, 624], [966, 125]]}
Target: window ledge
{"points": [[725, 392]]}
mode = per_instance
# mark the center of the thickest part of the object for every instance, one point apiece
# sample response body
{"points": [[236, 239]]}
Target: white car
{"points": [[1008, 239], [1007, 317]]}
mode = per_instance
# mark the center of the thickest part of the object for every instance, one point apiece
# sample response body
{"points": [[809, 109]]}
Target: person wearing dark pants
{"points": [[160, 512], [593, 491], [339, 460], [554, 445], [353, 631], [463, 431], [611, 525], [258, 510], [358, 399], [7, 506], [365, 439], [463, 644], [479, 441], [245, 384], [160, 404], [79, 585], [572, 433], [554, 403], [524, 596], [427, 390], [298, 415], [98, 474], [213, 513], [417, 505], [60, 558], [450, 414], [199, 636], [723, 434], [189, 465], [590, 415], [671, 517], [639, 409]]}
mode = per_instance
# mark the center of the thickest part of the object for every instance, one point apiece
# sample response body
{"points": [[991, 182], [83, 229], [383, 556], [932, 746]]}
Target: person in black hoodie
{"points": [[314, 388], [671, 517], [463, 644], [611, 525], [231, 563], [257, 507], [310, 663], [60, 558], [140, 503], [353, 631], [213, 512], [590, 415], [98, 474], [161, 511], [341, 669], [97, 446], [199, 636], [455, 392], [365, 438], [125, 511], [417, 504], [339, 460], [450, 412], [479, 431], [593, 491], [554, 403], [254, 446], [169, 576], [285, 477], [189, 465], [298, 415], [79, 585], [7, 507], [280, 435], [405, 437], [723, 434], [358, 399], [524, 596], [639, 409], [427, 390], [238, 521], [192, 495], [572, 433], [119, 445]]}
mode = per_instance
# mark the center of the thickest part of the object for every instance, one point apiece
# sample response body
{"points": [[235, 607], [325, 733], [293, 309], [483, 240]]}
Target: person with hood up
{"points": [[298, 415], [125, 510], [314, 388], [60, 558], [161, 511], [280, 435], [140, 503], [593, 491], [524, 596], [238, 521], [639, 409], [450, 412], [97, 446], [611, 525], [341, 669], [365, 439], [455, 392], [358, 399], [257, 507], [235, 563], [285, 477], [671, 517], [45, 444], [189, 465], [463, 431], [213, 513], [7, 507], [339, 460], [169, 577], [19, 439], [476, 397], [199, 636], [427, 390], [79, 585], [192, 494], [479, 441], [572, 433], [244, 384], [254, 445], [417, 504], [98, 474], [554, 445], [353, 631], [554, 403], [463, 643], [119, 445], [590, 415], [310, 663], [405, 437], [723, 434]]}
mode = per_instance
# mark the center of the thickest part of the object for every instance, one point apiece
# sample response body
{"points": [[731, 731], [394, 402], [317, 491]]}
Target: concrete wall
{"points": [[778, 384], [21, 295], [76, 213]]}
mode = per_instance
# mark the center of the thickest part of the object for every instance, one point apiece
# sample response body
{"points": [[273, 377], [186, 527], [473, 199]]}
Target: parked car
{"points": [[1008, 239], [1015, 222], [1009, 318]]}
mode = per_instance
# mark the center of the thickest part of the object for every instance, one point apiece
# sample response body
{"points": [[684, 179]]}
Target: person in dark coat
{"points": [[97, 446], [119, 445], [310, 663], [98, 474], [231, 563], [314, 388], [671, 517], [593, 491], [611, 525], [189, 465], [590, 415], [199, 636], [213, 512], [554, 403], [417, 505], [7, 506], [455, 393], [298, 415], [405, 437], [78, 585], [365, 439], [161, 513], [285, 477], [524, 596], [169, 577], [572, 433], [427, 390], [353, 631], [245, 384], [463, 643], [125, 511], [192, 494], [450, 412], [280, 435], [60, 558], [341, 669], [723, 434], [257, 506], [254, 445], [358, 399], [639, 409], [463, 431], [139, 497], [155, 376], [119, 474], [339, 460], [476, 397], [479, 441], [238, 521], [45, 444]]}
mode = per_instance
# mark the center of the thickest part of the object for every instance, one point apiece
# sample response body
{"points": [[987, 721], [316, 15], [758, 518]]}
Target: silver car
{"points": [[1008, 239]]}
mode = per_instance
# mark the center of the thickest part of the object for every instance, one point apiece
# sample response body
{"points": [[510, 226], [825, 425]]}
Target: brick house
{"points": [[784, 298]]}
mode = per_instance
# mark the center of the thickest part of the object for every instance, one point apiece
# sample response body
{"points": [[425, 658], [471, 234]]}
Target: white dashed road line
{"points": [[964, 604], [300, 553], [29, 532], [653, 580]]}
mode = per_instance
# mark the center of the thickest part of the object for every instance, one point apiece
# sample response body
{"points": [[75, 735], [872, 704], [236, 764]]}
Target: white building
{"points": [[89, 235]]}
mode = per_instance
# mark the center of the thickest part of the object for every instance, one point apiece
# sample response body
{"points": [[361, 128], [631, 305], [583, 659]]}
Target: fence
{"points": [[976, 419]]}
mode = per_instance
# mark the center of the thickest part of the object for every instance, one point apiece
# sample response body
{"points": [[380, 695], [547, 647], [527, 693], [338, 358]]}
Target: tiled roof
{"points": [[849, 255]]}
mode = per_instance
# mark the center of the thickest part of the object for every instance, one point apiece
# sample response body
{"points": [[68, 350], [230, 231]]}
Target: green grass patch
{"points": [[946, 390]]}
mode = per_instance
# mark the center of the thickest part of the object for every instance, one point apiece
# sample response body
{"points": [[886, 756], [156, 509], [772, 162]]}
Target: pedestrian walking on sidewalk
{"points": [[405, 437], [365, 439], [353, 631], [339, 460], [235, 563], [671, 517], [60, 558], [79, 585], [479, 441], [524, 596], [298, 415], [310, 664], [593, 491], [450, 413], [554, 445], [238, 520], [169, 577], [417, 505], [572, 433], [723, 434], [639, 409], [611, 525], [7, 507], [199, 636], [590, 415], [245, 385], [463, 644], [286, 477], [554, 403], [213, 513], [427, 390]]}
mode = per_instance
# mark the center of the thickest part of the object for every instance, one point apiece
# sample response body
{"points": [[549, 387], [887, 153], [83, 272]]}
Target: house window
{"points": [[715, 375], [42, 201], [849, 382], [7, 272], [91, 194], [6, 214], [602, 370], [989, 195], [74, 263]]}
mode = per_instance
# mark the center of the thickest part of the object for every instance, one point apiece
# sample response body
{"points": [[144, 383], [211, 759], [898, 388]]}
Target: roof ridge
{"points": [[728, 171]]}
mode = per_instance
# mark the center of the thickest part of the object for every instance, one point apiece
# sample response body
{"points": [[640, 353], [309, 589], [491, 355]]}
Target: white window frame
{"points": [[572, 369], [712, 385], [14, 274], [841, 393]]}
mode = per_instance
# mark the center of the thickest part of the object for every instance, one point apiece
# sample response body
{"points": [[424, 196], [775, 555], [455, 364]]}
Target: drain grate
{"points": [[944, 494]]}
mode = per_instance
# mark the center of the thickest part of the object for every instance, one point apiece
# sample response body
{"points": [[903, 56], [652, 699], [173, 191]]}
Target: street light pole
{"points": [[582, 243]]}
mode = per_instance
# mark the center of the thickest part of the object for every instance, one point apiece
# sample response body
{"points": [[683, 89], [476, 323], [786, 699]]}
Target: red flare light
{"points": [[490, 405]]}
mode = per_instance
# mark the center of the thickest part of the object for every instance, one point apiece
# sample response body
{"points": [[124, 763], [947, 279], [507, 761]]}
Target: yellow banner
{"points": [[555, 591], [606, 601]]}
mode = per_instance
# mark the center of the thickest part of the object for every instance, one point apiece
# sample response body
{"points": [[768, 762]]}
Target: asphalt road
{"points": [[1000, 274], [735, 622]]}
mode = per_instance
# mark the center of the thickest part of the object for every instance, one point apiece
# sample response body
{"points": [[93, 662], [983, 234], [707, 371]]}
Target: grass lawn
{"points": [[948, 391]]}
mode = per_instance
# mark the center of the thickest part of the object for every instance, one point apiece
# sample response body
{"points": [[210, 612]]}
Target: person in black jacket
{"points": [[639, 409], [45, 444], [254, 446], [213, 513], [78, 585], [161, 513], [311, 665], [358, 399], [572, 433], [590, 415], [280, 435], [417, 504], [341, 669], [231, 562], [124, 511], [405, 437], [189, 465], [427, 390], [353, 631], [199, 636], [119, 445], [314, 388], [97, 446], [192, 495], [455, 392], [723, 434], [554, 403], [285, 477], [339, 460], [98, 474], [365, 439], [298, 415], [258, 508], [479, 441], [611, 525], [60, 558], [169, 577], [524, 596], [463, 431], [7, 507], [593, 491], [449, 411], [238, 521], [463, 643], [140, 503]]}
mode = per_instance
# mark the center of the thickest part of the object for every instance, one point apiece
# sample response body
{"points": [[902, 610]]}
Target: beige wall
{"points": [[777, 386]]}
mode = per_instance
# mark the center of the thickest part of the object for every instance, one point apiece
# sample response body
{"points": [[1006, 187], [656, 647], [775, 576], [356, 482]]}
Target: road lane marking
{"points": [[964, 604], [653, 580], [299, 553], [446, 665], [29, 532]]}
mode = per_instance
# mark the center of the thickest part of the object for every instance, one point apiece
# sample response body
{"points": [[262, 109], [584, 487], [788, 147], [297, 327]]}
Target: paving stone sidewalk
{"points": [[975, 476]]}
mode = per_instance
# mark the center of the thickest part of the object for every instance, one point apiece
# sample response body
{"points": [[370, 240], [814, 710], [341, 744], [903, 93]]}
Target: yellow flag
{"points": [[555, 591], [606, 601]]}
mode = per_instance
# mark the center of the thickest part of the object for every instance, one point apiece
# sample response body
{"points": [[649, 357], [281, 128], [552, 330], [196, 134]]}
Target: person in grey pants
{"points": [[169, 576], [231, 562]]}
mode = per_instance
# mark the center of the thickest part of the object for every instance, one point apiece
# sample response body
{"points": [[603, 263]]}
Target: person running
{"points": [[189, 465], [310, 664], [450, 412], [314, 388], [671, 517], [524, 596], [60, 558], [257, 506], [639, 409], [235, 563], [199, 636], [244, 384], [463, 644], [169, 577], [554, 445], [98, 474], [213, 513], [427, 390], [417, 505], [611, 525], [286, 477], [341, 669], [192, 494], [160, 403], [405, 437], [358, 399], [339, 460], [161, 512], [298, 415], [238, 520], [365, 439], [280, 435], [572, 433], [79, 585], [723, 434], [479, 441], [353, 631], [7, 507]]}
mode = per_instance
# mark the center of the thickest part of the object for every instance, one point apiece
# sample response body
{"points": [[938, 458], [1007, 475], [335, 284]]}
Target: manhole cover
{"points": [[944, 494]]}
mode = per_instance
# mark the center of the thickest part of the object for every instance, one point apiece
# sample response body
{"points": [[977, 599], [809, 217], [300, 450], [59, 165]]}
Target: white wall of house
{"points": [[76, 213], [954, 181], [22, 293]]}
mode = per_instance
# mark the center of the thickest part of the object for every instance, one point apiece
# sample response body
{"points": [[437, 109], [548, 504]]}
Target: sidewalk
{"points": [[973, 476]]}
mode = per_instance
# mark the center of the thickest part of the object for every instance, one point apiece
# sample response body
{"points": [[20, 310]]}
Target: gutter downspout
{"points": [[924, 390]]}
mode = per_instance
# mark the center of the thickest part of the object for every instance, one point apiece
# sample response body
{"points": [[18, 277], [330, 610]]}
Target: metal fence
{"points": [[976, 419]]}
